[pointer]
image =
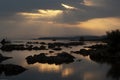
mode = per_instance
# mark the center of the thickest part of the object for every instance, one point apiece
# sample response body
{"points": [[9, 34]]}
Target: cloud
{"points": [[77, 12], [20, 17], [92, 9], [68, 7], [41, 15], [31, 29]]}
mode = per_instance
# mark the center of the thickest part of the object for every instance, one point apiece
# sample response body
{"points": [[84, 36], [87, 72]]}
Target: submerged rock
{"points": [[59, 59]]}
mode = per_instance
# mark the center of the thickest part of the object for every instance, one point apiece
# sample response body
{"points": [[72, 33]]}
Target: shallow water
{"points": [[86, 69]]}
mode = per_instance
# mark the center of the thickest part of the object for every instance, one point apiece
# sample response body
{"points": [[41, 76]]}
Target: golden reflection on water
{"points": [[48, 67], [88, 76], [66, 72]]}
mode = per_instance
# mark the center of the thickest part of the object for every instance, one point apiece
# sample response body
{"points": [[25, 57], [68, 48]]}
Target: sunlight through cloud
{"points": [[93, 3], [68, 7], [88, 3], [41, 14]]}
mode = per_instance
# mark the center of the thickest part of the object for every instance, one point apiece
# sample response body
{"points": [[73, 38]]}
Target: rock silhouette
{"points": [[59, 44], [12, 47], [41, 46], [2, 58], [4, 41], [10, 69], [59, 59]]}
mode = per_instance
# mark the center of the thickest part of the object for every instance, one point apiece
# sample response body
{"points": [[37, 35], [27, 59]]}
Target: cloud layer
{"points": [[85, 11], [71, 16]]}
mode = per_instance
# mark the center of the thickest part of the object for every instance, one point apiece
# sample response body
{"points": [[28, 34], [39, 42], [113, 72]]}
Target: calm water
{"points": [[85, 69]]}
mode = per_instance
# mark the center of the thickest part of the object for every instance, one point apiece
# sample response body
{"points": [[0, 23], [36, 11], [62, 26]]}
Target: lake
{"points": [[83, 68]]}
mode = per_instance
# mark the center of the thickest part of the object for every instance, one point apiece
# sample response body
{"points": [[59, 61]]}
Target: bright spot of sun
{"points": [[68, 7], [50, 12]]}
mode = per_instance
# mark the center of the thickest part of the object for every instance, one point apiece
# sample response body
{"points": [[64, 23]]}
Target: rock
{"points": [[11, 70], [2, 58], [51, 46], [43, 47], [43, 43], [67, 45], [4, 41], [36, 48], [83, 52], [12, 47], [57, 49], [59, 59], [51, 51], [65, 55]]}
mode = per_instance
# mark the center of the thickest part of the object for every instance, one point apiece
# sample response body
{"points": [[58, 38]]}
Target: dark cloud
{"points": [[13, 25], [106, 8], [9, 8], [31, 5]]}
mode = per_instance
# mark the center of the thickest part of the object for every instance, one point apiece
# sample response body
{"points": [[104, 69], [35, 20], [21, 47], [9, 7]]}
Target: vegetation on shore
{"points": [[108, 52]]}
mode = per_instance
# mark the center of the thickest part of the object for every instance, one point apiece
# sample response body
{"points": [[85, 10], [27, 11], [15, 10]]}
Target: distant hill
{"points": [[86, 38]]}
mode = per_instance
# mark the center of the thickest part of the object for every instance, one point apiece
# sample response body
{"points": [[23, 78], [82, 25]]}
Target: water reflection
{"points": [[114, 72], [48, 67], [86, 69], [67, 72], [89, 76]]}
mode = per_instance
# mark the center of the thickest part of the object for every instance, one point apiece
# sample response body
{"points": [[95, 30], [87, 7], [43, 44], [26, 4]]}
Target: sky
{"points": [[23, 19]]}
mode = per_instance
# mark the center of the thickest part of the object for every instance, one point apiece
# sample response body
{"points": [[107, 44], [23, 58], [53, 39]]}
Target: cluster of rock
{"points": [[40, 46], [12, 47], [59, 59], [59, 44], [43, 43]]}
